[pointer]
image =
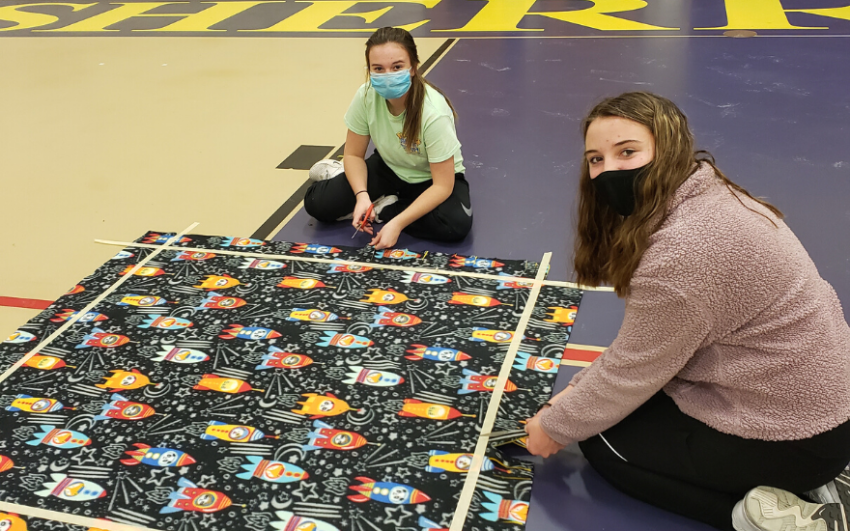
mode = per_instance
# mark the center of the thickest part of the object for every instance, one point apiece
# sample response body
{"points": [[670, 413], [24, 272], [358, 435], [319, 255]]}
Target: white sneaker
{"points": [[326, 169], [772, 509], [383, 202]]}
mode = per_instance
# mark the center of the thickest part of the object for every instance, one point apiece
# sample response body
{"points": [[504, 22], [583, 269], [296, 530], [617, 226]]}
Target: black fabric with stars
{"points": [[221, 392]]}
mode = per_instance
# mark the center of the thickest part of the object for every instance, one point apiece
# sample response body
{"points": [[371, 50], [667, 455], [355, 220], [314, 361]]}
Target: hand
{"points": [[538, 443], [387, 237], [360, 208]]}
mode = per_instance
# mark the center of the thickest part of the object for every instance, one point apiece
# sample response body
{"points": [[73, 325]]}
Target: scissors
{"points": [[364, 221]]}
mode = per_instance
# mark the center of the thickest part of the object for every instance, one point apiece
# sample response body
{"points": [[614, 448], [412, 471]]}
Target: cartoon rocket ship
{"points": [[46, 363], [426, 410], [372, 377], [158, 457], [398, 254], [429, 525], [163, 238], [212, 382], [332, 339], [440, 461], [253, 333], [513, 511], [76, 289], [290, 522], [214, 282], [494, 336], [193, 256], [6, 463], [387, 296], [190, 497], [324, 436], [512, 283], [59, 438], [122, 255], [278, 359], [272, 471], [300, 283], [412, 277], [385, 317], [565, 316], [99, 338], [12, 522], [319, 406], [165, 323], [125, 380], [474, 261], [313, 315], [242, 242], [473, 300], [525, 361], [143, 271], [143, 301], [122, 409], [20, 337], [220, 302], [421, 352], [181, 355], [32, 404], [349, 269], [67, 313], [472, 382], [261, 264], [385, 492], [233, 433], [71, 489], [313, 248]]}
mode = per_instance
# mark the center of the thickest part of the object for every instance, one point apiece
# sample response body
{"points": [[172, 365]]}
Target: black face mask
{"points": [[617, 189]]}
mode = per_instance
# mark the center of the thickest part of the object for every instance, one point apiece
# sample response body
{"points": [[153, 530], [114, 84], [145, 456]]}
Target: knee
{"points": [[453, 226], [316, 205]]}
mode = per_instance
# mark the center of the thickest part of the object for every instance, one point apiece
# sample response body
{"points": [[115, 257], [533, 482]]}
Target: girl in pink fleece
{"points": [[725, 395]]}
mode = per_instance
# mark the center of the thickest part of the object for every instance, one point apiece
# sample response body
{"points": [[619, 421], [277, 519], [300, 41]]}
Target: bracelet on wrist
{"points": [[360, 192]]}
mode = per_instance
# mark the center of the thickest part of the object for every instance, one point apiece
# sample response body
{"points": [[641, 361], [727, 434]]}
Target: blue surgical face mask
{"points": [[391, 85]]}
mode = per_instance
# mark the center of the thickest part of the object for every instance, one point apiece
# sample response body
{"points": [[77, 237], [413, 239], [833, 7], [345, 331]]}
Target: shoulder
{"points": [[434, 105]]}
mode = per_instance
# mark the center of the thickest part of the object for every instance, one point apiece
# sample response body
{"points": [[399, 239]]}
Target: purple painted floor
{"points": [[773, 111]]}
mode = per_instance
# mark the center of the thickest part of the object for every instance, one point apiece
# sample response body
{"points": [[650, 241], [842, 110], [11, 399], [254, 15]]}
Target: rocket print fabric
{"points": [[218, 392]]}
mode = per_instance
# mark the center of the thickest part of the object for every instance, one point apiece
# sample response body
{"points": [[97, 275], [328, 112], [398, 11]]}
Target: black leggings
{"points": [[676, 462], [450, 221]]}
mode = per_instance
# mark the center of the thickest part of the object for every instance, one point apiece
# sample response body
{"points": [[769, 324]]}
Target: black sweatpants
{"points": [[677, 463], [451, 221]]}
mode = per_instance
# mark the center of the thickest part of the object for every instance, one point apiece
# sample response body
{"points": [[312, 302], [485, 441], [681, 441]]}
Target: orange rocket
{"points": [[46, 363], [218, 282], [301, 283], [143, 271], [472, 382], [427, 410], [388, 296], [318, 406], [76, 289], [6, 463], [155, 237], [213, 382], [473, 300], [219, 302], [565, 316], [99, 338], [125, 380]]}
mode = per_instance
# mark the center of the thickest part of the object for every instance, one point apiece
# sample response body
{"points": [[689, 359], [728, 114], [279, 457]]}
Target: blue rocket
{"points": [[500, 509], [250, 263], [372, 377], [71, 489], [122, 255], [59, 438], [272, 471], [20, 337], [242, 242], [440, 461], [525, 361], [474, 261], [166, 323], [424, 278], [158, 457], [333, 339], [313, 248]]}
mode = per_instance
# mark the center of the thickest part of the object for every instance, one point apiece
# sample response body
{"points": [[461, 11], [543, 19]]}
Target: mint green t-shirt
{"points": [[368, 115]]}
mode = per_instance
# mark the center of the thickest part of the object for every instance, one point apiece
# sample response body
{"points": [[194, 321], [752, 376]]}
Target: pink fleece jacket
{"points": [[729, 316]]}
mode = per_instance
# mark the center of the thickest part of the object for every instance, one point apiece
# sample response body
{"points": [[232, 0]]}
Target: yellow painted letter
{"points": [[316, 14], [26, 20], [767, 15], [200, 21], [505, 15]]}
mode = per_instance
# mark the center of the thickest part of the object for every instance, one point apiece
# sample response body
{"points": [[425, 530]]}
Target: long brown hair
{"points": [[608, 247], [416, 94]]}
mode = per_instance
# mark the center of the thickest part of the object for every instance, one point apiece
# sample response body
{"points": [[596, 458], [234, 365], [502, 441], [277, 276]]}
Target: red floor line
{"points": [[32, 304]]}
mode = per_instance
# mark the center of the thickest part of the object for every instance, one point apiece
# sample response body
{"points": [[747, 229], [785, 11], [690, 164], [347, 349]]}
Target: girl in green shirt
{"points": [[415, 177]]}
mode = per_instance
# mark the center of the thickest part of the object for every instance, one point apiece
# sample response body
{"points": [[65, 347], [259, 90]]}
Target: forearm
{"points": [[355, 172], [426, 202]]}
